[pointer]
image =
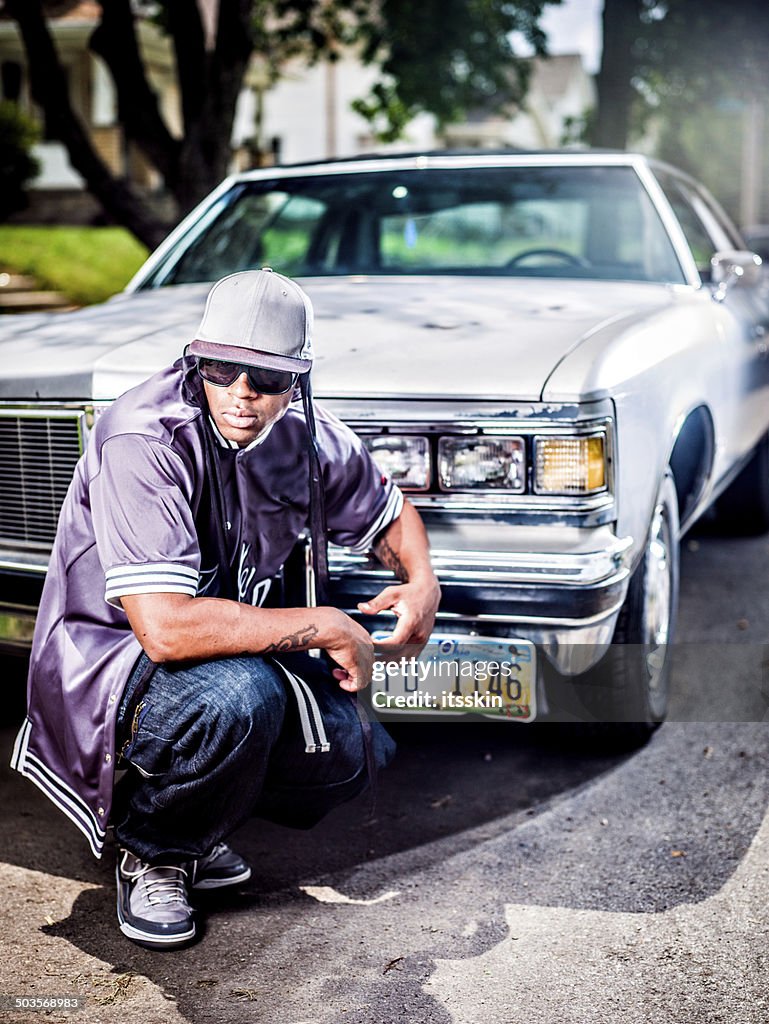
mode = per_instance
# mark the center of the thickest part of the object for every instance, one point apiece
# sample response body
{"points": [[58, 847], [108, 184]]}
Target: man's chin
{"points": [[242, 438]]}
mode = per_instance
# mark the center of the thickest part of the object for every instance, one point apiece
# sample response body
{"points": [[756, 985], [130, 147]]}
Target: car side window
{"points": [[700, 227]]}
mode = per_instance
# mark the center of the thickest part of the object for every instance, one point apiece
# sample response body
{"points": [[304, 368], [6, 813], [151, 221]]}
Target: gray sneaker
{"points": [[152, 905], [221, 867]]}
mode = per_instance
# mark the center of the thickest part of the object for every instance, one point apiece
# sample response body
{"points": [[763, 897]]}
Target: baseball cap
{"points": [[257, 317]]}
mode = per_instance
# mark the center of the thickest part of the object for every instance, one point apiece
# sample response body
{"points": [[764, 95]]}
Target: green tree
{"points": [[446, 57], [442, 57], [675, 59]]}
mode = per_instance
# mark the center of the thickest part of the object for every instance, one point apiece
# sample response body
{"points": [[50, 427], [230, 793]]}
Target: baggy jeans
{"points": [[206, 746]]}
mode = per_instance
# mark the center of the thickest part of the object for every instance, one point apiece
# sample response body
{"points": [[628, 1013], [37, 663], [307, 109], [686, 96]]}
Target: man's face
{"points": [[242, 414]]}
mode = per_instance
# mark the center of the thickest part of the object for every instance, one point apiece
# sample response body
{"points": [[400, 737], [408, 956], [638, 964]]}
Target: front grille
{"points": [[37, 459]]}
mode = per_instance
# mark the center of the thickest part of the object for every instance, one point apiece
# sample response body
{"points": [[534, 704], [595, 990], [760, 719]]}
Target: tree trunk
{"points": [[49, 89], [621, 22], [210, 82], [115, 41]]}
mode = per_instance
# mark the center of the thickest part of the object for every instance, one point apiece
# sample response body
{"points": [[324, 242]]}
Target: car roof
{"points": [[461, 152], [444, 158]]}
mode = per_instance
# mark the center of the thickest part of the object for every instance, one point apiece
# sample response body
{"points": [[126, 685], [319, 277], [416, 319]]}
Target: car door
{"points": [[741, 320]]}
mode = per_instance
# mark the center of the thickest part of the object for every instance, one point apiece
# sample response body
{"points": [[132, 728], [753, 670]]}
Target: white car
{"points": [[560, 358]]}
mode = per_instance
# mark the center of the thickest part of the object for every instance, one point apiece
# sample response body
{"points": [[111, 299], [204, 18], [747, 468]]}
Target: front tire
{"points": [[625, 696]]}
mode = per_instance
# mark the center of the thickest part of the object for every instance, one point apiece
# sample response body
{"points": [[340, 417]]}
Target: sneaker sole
{"points": [[221, 883], [149, 939]]}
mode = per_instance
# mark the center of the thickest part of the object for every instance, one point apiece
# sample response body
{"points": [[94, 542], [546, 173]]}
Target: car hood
{"points": [[406, 337]]}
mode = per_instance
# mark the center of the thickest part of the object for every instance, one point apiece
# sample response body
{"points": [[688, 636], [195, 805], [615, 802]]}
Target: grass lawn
{"points": [[85, 264]]}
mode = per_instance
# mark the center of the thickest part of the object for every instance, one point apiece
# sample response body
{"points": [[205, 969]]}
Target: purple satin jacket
{"points": [[138, 518]]}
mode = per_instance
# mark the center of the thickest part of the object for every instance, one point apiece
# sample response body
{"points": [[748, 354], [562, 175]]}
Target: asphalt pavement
{"points": [[504, 879]]}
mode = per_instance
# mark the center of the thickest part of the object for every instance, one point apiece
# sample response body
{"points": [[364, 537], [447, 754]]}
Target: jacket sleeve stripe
{"points": [[151, 569], [389, 513], [160, 578]]}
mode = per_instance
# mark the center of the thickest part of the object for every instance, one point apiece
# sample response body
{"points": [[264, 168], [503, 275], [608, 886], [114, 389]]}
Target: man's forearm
{"points": [[404, 548], [174, 627]]}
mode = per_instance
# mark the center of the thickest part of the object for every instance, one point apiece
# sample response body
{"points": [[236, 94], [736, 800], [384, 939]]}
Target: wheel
{"points": [[625, 696], [743, 508], [556, 254]]}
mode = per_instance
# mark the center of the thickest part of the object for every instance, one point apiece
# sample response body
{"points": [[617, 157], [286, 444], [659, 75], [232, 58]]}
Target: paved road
{"points": [[504, 879]]}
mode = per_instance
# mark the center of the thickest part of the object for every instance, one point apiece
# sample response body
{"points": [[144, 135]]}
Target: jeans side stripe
{"points": [[325, 746], [310, 740]]}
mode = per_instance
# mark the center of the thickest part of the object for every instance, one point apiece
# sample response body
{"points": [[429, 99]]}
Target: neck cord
{"points": [[318, 527], [218, 510]]}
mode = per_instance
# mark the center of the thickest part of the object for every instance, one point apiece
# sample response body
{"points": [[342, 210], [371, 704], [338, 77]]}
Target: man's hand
{"points": [[352, 648], [415, 605], [403, 547], [178, 627]]}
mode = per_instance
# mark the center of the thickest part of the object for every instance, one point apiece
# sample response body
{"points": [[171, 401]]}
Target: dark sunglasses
{"points": [[267, 382]]}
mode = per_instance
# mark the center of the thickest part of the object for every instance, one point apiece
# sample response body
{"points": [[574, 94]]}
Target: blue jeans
{"points": [[209, 745]]}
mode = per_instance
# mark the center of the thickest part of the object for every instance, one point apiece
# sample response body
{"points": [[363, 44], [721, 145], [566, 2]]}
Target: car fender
{"points": [[645, 367]]}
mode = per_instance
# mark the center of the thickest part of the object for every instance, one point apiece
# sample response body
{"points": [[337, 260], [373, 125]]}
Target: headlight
{"points": [[470, 463], [570, 465], [405, 459]]}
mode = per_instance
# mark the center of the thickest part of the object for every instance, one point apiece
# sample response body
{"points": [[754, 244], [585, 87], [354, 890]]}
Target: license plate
{"points": [[460, 675]]}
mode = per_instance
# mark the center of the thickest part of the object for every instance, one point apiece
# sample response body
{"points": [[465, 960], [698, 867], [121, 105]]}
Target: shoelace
{"points": [[217, 850], [166, 888]]}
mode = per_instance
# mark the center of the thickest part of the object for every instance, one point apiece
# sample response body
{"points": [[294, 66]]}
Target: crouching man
{"points": [[152, 652]]}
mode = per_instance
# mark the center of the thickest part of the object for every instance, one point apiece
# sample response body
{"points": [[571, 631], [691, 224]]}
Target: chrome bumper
{"points": [[565, 601], [564, 598]]}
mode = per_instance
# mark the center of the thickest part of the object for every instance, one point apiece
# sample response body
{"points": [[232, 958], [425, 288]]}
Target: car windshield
{"points": [[562, 222]]}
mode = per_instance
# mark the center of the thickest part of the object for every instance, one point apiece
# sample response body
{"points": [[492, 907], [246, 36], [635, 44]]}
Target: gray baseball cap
{"points": [[259, 318]]}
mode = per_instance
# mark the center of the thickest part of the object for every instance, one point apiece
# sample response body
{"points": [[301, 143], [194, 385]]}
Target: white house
{"points": [[560, 91], [307, 115]]}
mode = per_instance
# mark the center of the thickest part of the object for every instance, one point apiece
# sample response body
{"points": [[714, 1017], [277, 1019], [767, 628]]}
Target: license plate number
{"points": [[460, 675]]}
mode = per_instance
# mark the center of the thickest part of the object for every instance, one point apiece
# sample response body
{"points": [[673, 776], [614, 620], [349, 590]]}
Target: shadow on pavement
{"points": [[445, 780], [458, 831]]}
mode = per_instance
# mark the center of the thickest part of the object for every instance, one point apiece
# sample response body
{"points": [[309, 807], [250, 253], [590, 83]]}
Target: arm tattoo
{"points": [[390, 558], [298, 641]]}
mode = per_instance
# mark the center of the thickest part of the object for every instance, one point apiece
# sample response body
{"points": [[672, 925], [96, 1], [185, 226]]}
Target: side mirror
{"points": [[734, 267], [758, 241]]}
